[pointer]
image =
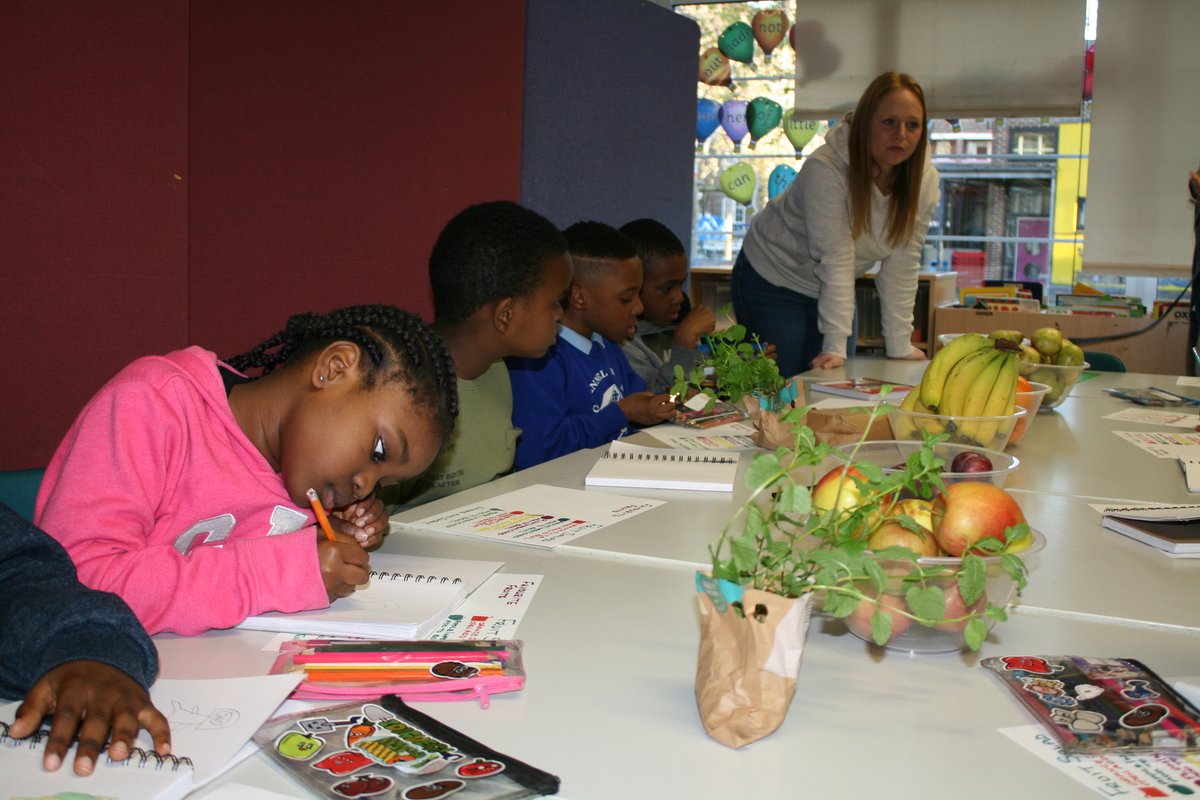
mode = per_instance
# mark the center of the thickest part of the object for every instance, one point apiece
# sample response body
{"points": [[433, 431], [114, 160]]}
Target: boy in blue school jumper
{"points": [[583, 392]]}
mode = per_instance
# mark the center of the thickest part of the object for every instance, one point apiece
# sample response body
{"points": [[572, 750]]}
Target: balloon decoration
{"points": [[708, 119], [738, 182], [781, 178], [768, 29], [799, 131], [1089, 66], [737, 42], [733, 120], [762, 116], [714, 68]]}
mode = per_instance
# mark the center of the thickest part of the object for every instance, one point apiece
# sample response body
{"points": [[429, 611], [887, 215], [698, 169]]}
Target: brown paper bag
{"points": [[747, 667], [769, 432], [841, 425]]}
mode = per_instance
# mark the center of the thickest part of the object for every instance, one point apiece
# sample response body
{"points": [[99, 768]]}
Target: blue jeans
{"points": [[782, 317]]}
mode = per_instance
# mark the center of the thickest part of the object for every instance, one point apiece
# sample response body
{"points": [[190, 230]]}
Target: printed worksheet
{"points": [[1157, 416], [1164, 444], [1148, 775], [538, 516], [493, 611], [733, 436]]}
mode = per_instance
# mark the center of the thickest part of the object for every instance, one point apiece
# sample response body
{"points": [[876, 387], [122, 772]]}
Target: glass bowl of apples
{"points": [[940, 572], [963, 462]]}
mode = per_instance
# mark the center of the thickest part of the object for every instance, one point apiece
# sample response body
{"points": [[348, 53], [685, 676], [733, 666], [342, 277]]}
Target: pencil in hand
{"points": [[322, 519]]}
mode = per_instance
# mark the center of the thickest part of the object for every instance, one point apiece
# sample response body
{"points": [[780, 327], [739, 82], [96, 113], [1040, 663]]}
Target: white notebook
{"points": [[406, 598], [633, 466], [211, 722]]}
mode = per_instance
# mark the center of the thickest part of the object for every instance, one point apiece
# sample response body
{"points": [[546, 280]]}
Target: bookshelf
{"points": [[710, 286]]}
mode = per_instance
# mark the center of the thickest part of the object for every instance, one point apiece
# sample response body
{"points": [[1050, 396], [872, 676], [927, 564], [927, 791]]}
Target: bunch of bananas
{"points": [[972, 376]]}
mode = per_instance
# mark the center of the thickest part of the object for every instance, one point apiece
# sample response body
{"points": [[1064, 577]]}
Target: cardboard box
{"points": [[1163, 350]]}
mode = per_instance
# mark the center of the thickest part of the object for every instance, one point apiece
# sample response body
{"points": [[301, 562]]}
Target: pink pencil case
{"points": [[341, 669]]}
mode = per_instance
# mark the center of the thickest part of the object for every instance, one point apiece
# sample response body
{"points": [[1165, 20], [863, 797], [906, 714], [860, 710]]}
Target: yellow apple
{"points": [[838, 490], [892, 533]]}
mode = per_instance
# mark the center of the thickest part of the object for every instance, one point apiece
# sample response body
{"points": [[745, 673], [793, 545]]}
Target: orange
{"points": [[1023, 385]]}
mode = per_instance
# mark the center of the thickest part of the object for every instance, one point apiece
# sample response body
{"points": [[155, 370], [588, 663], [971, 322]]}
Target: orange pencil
{"points": [[322, 520]]}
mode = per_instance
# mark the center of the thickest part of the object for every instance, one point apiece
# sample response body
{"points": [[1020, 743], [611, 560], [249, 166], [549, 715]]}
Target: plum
{"points": [[970, 461]]}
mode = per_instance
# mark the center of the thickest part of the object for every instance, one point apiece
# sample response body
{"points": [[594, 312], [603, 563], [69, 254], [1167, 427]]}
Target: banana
{"points": [[934, 380], [977, 395], [1001, 401], [962, 378]]}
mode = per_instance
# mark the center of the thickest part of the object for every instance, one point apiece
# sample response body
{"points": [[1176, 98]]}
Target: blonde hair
{"points": [[906, 190]]}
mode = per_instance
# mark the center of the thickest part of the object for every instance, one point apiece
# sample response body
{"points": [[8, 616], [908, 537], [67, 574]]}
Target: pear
{"points": [[1047, 341], [1013, 336], [1071, 355]]}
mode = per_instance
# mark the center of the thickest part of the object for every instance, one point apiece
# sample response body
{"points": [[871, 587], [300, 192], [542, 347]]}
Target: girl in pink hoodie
{"points": [[181, 485]]}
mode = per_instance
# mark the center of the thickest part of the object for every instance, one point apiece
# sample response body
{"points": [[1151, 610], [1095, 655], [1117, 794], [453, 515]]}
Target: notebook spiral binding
{"points": [[669, 458], [409, 576], [139, 758]]}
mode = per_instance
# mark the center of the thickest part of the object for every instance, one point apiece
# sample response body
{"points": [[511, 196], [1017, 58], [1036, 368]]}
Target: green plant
{"points": [[733, 368], [777, 542]]}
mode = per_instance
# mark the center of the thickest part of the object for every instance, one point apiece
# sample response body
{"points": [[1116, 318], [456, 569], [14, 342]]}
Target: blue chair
{"points": [[19, 489], [1103, 362]]}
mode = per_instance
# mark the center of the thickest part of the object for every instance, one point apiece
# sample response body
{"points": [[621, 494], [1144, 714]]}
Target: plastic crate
{"points": [[969, 266]]}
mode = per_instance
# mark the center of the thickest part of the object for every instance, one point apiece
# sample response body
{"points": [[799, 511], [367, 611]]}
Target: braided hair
{"points": [[398, 345]]}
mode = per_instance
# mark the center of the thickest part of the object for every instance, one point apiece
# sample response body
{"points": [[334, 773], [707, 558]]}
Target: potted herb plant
{"points": [[780, 555]]}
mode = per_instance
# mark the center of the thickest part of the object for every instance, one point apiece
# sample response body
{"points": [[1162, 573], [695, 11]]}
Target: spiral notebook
{"points": [[630, 465], [211, 723], [406, 598]]}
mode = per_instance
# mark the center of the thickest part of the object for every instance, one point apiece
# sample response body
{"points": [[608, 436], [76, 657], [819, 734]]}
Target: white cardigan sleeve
{"points": [[826, 209]]}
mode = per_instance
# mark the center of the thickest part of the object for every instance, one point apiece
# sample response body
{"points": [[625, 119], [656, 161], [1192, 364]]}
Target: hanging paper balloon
{"points": [[792, 36], [955, 124], [768, 31], [714, 68], [708, 119], [733, 120], [738, 182], [781, 178], [799, 131], [1089, 66], [762, 116], [737, 42]]}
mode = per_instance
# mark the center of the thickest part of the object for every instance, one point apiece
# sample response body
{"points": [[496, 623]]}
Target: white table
{"points": [[611, 642]]}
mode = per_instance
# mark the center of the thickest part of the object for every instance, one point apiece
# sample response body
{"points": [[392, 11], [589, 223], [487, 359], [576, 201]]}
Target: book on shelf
{"points": [[1173, 529], [633, 466], [406, 598], [870, 389], [212, 722]]}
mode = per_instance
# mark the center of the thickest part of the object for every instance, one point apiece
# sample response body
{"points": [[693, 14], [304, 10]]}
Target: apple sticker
{"points": [[433, 791], [343, 763], [363, 786], [1144, 715], [480, 768], [298, 746]]}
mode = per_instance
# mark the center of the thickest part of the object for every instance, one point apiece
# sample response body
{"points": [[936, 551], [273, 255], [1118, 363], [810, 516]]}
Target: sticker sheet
{"points": [[1101, 705], [364, 750]]}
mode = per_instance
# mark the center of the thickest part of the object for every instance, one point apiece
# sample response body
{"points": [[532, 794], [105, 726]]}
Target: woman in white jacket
{"points": [[865, 196]]}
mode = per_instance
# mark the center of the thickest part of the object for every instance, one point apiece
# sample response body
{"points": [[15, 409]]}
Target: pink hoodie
{"points": [[160, 497]]}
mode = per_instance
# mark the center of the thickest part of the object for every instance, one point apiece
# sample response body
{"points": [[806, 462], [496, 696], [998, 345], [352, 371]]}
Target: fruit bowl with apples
{"points": [[942, 573], [1060, 380], [963, 462]]}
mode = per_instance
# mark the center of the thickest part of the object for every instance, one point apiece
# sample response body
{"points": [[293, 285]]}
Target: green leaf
{"points": [[927, 602], [840, 605], [881, 627], [764, 470], [875, 573], [795, 499], [745, 553], [995, 612], [972, 579], [1016, 569], [975, 633]]}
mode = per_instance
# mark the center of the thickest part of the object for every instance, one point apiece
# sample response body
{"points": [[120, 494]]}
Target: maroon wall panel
{"points": [[93, 208], [329, 143]]}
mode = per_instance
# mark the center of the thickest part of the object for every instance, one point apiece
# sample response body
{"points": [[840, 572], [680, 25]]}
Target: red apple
{"points": [[969, 511], [859, 620], [837, 490], [956, 607], [892, 533], [970, 461]]}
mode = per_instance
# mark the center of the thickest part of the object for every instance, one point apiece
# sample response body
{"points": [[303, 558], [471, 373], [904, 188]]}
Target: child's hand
{"points": [[644, 408], [343, 565], [768, 351], [698, 322], [365, 521], [95, 701]]}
